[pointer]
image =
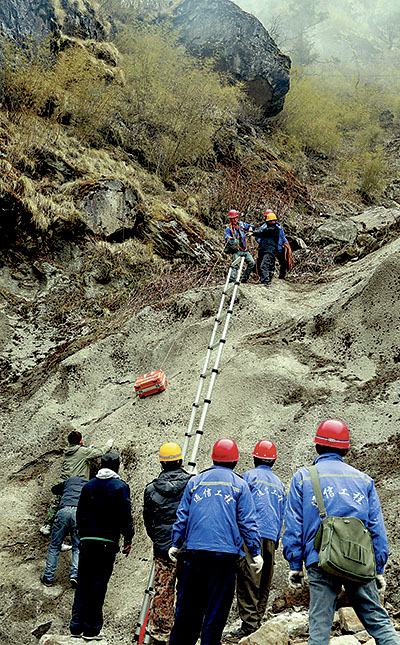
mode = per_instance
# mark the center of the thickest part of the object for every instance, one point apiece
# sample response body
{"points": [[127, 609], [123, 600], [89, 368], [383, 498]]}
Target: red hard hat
{"points": [[334, 433], [265, 449], [225, 450], [233, 214]]}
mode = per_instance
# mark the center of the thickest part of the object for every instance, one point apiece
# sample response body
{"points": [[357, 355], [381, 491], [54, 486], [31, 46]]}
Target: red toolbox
{"points": [[150, 383]]}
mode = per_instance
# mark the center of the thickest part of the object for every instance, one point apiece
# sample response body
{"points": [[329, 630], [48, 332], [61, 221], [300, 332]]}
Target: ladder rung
{"points": [[222, 317], [237, 261]]}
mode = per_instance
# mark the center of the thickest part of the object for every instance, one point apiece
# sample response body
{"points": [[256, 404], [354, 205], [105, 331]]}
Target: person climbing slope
{"points": [[236, 244], [76, 463], [271, 240]]}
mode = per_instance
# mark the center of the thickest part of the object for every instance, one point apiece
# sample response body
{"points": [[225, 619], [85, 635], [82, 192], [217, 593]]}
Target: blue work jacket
{"points": [[269, 495], [238, 232], [281, 239], [346, 492], [217, 513]]}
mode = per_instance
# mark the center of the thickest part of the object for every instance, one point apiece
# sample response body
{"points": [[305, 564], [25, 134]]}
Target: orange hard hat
{"points": [[270, 216]]}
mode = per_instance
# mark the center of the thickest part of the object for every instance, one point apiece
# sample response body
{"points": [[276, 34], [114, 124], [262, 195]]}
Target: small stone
{"points": [[349, 622], [364, 637]]}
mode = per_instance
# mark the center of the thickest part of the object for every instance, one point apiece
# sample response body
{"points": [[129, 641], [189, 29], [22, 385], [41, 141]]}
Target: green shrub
{"points": [[25, 82], [174, 103], [86, 96], [311, 115], [373, 175]]}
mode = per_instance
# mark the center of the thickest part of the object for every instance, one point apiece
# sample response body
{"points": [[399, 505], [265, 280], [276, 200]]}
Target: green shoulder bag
{"points": [[344, 544]]}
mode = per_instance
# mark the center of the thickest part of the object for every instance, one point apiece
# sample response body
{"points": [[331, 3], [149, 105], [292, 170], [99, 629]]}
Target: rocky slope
{"points": [[294, 356]]}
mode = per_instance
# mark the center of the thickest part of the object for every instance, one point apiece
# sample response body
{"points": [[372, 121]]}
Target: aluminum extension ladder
{"points": [[141, 633]]}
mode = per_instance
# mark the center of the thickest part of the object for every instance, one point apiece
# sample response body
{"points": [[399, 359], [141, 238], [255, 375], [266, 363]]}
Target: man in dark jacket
{"points": [[271, 239], [103, 514], [64, 522], [161, 500]]}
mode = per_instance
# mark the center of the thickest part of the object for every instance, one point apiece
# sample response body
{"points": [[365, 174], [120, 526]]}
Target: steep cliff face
{"points": [[240, 45], [39, 19], [22, 18]]}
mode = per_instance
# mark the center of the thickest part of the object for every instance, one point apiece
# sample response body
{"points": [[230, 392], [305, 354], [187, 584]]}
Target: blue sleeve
{"points": [[376, 526], [282, 238], [258, 239], [247, 226], [292, 539], [247, 521], [227, 233], [182, 516]]}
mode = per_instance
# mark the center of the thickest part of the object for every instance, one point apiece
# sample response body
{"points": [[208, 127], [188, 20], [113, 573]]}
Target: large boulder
{"points": [[240, 46], [378, 219], [108, 208], [337, 230]]}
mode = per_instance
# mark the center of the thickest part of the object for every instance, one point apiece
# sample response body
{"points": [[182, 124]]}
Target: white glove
{"points": [[109, 444], [295, 579], [173, 552], [381, 583], [257, 563]]}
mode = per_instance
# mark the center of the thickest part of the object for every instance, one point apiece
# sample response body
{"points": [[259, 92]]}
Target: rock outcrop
{"points": [[39, 19], [236, 40], [239, 44]]}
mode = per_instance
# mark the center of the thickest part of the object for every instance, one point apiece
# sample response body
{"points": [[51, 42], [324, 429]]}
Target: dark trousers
{"points": [[252, 588], [204, 598], [266, 263], [282, 264], [96, 561]]}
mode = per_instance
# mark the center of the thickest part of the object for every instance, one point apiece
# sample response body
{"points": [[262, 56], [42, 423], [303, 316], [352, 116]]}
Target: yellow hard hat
{"points": [[170, 451], [270, 216]]}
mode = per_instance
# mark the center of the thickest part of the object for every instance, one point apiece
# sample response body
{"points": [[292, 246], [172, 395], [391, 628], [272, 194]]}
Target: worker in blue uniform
{"points": [[215, 516], [347, 492], [269, 495]]}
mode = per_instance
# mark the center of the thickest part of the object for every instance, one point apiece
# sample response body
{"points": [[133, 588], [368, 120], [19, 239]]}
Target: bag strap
{"points": [[317, 491]]}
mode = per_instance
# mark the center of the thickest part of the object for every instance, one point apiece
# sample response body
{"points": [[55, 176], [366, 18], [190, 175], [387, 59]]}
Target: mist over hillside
{"points": [[359, 33]]}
